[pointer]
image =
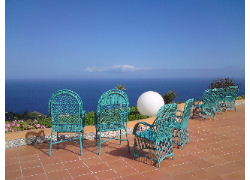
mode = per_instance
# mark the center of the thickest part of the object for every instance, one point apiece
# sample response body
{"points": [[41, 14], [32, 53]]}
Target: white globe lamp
{"points": [[149, 103]]}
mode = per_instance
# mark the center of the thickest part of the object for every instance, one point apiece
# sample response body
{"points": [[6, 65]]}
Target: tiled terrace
{"points": [[216, 151]]}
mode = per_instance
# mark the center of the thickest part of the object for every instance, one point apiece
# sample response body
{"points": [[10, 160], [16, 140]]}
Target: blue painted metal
{"points": [[231, 95], [206, 108], [156, 140], [219, 96], [68, 116], [112, 115], [182, 131], [217, 100]]}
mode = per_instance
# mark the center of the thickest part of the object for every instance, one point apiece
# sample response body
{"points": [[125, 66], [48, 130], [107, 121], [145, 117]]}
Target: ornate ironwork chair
{"points": [[156, 142], [182, 132], [231, 95], [68, 116], [112, 115], [207, 108]]}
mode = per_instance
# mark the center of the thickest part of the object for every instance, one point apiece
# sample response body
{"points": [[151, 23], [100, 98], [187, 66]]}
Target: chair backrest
{"points": [[66, 110], [166, 117], [219, 94], [232, 91], [208, 97], [187, 112], [113, 106]]}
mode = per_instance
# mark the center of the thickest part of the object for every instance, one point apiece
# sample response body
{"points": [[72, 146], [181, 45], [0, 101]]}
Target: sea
{"points": [[33, 95]]}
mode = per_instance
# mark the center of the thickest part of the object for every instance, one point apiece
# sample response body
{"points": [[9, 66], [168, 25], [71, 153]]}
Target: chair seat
{"points": [[67, 128], [112, 126], [229, 98], [152, 135]]}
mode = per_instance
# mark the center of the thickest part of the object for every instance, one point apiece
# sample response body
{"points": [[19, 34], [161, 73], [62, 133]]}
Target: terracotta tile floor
{"points": [[216, 151]]}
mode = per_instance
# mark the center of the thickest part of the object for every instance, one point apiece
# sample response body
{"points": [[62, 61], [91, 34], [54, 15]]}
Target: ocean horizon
{"points": [[33, 95]]}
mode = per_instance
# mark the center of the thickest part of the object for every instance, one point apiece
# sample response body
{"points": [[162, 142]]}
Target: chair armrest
{"points": [[139, 123], [178, 118], [198, 105], [198, 102], [179, 113], [83, 115]]}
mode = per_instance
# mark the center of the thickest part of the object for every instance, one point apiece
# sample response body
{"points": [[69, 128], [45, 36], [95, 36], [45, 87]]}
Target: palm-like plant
{"points": [[222, 83], [169, 97], [121, 87]]}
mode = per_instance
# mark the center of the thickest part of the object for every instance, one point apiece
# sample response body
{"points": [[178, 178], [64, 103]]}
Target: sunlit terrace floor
{"points": [[216, 151]]}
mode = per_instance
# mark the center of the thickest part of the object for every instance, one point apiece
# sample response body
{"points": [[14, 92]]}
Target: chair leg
{"points": [[51, 142], [158, 164], [120, 136], [96, 136], [127, 139], [83, 139], [188, 136], [81, 144], [135, 152], [57, 137], [100, 144]]}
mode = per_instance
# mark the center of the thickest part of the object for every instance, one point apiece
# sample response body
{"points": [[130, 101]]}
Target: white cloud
{"points": [[115, 68]]}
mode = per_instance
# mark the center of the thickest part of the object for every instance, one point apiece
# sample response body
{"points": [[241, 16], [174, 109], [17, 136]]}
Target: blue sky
{"points": [[80, 39]]}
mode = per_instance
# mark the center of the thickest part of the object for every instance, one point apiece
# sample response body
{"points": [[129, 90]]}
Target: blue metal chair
{"points": [[182, 132], [68, 116], [112, 115], [206, 108], [156, 141]]}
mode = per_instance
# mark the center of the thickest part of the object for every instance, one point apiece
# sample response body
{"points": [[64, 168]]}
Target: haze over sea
{"points": [[33, 95]]}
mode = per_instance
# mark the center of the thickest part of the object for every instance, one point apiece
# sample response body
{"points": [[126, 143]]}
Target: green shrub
{"points": [[222, 83], [90, 118], [26, 115], [10, 116], [121, 87], [135, 115], [26, 126], [46, 122], [20, 125], [169, 97], [240, 97]]}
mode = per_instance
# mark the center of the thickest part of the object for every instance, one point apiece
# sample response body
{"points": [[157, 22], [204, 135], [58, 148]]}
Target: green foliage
{"points": [[20, 125], [90, 118], [222, 83], [169, 97], [26, 125], [240, 97], [46, 122], [135, 115], [43, 121], [121, 87], [10, 116]]}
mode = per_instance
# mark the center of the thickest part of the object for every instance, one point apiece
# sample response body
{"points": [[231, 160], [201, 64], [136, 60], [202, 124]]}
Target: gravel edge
{"points": [[46, 139]]}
